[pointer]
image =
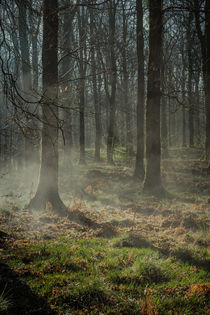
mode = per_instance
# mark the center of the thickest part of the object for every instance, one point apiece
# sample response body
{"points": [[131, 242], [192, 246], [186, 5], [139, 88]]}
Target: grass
{"points": [[93, 275], [5, 302], [142, 256]]}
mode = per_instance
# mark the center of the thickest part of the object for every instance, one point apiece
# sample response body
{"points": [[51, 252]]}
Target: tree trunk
{"points": [[183, 124], [207, 36], [139, 166], [113, 79], [26, 72], [127, 106], [164, 127], [47, 191], [98, 131], [190, 72], [65, 76], [82, 71], [183, 101], [152, 181]]}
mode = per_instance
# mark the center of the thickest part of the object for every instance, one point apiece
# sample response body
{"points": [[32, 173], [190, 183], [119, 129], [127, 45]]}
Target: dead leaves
{"points": [[198, 289]]}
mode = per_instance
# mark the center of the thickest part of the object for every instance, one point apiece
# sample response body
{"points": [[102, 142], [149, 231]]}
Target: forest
{"points": [[104, 157]]}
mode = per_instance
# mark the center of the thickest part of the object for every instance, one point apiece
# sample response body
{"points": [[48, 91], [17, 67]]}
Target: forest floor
{"points": [[125, 253]]}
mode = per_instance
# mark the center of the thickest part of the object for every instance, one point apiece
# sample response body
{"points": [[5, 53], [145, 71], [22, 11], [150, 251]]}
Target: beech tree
{"points": [[139, 166], [47, 191], [113, 78], [152, 181], [207, 90], [26, 71]]}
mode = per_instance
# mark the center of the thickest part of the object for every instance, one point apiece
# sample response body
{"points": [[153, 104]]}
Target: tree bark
{"points": [[127, 106], [98, 127], [65, 76], [139, 166], [26, 73], [207, 36], [82, 72], [164, 127], [47, 191], [183, 100], [113, 79], [190, 72], [152, 181]]}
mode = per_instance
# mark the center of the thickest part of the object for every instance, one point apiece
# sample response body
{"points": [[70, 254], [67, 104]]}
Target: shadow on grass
{"points": [[134, 241], [186, 256], [148, 274], [20, 297], [182, 254]]}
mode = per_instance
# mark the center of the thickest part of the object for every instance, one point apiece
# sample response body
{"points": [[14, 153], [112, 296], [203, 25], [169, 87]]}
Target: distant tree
{"points": [[82, 72], [139, 167], [26, 72], [152, 181], [190, 78], [207, 36], [125, 79], [205, 53], [95, 89], [47, 191], [113, 80]]}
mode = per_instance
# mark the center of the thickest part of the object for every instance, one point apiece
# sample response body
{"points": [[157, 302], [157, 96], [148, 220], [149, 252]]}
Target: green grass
{"points": [[93, 275], [5, 302], [159, 259]]}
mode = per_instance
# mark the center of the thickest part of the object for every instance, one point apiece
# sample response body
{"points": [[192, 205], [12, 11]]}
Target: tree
{"points": [[139, 167], [125, 79], [205, 53], [113, 79], [152, 181], [95, 88], [82, 72], [190, 73], [47, 191], [26, 72], [207, 92]]}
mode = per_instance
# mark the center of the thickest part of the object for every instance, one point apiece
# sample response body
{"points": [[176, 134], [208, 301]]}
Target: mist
{"points": [[104, 157]]}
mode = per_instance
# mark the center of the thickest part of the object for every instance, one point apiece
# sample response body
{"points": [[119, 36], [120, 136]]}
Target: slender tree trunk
{"points": [[127, 107], [26, 72], [34, 124], [207, 36], [66, 65], [169, 123], [139, 166], [204, 41], [164, 127], [113, 79], [34, 27], [152, 181], [190, 72], [82, 71], [98, 132], [183, 123], [183, 101], [47, 191], [197, 109], [19, 137]]}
